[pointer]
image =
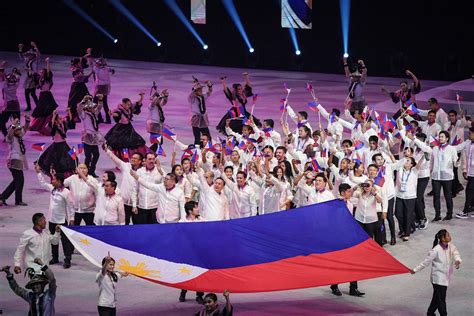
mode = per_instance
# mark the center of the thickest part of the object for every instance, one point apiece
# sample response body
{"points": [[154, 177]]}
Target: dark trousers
{"points": [[68, 248], [106, 311], [4, 117], [197, 134], [420, 198], [30, 92], [87, 217], [128, 214], [457, 186], [15, 186], [106, 111], [380, 235], [390, 219], [92, 157], [198, 294], [405, 212], [146, 216], [369, 228], [438, 302], [448, 196], [469, 195], [381, 231]]}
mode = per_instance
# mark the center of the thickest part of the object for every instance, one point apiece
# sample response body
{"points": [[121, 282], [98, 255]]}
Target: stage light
{"points": [[116, 41], [345, 9], [345, 55], [298, 52], [122, 9], [88, 18], [230, 7], [294, 40], [205, 46], [179, 13]]}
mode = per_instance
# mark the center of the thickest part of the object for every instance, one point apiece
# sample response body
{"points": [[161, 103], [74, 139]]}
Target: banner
{"points": [[296, 14], [311, 246], [198, 11]]}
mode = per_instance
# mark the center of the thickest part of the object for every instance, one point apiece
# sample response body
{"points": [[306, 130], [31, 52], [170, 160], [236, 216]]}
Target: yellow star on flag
{"points": [[85, 241], [185, 270]]}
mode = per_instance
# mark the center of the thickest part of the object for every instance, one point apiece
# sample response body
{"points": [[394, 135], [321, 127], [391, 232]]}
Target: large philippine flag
{"points": [[311, 246]]}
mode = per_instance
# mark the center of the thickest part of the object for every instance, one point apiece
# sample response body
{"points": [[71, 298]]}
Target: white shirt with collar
{"points": [[35, 245], [148, 198], [430, 130], [215, 206], [114, 210], [468, 158], [107, 290], [407, 181], [441, 116], [443, 159], [456, 129], [128, 184], [170, 208], [82, 194], [442, 261], [313, 195], [60, 210], [244, 200], [366, 211]]}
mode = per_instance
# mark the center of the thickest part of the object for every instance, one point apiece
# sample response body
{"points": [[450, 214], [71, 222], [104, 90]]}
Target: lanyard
{"points": [[404, 179]]}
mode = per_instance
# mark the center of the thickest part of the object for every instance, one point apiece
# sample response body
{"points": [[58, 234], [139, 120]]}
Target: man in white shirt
{"points": [[441, 116], [443, 159], [170, 198], [468, 174], [82, 196], [317, 193], [113, 204], [35, 243], [430, 127], [216, 205], [59, 213], [128, 183], [148, 199], [455, 129], [244, 200]]}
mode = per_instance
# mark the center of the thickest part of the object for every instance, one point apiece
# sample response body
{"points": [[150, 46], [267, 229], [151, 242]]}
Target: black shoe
{"points": [[53, 261], [448, 217], [336, 291], [3, 202], [454, 195], [67, 263], [182, 296], [21, 204], [356, 292], [200, 300], [436, 219], [400, 234], [430, 193], [393, 241]]}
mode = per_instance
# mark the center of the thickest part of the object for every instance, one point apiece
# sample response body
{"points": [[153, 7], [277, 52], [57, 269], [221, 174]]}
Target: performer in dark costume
{"points": [[357, 80], [199, 120], [405, 93], [56, 156], [91, 136], [31, 81], [11, 106], [237, 97], [102, 86], [78, 86], [156, 117], [43, 112], [123, 135]]}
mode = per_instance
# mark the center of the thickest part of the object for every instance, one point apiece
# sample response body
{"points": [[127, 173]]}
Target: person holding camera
{"points": [[367, 205], [91, 136], [16, 161]]}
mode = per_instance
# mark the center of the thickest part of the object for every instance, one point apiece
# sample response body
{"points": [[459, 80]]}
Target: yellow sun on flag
{"points": [[185, 270], [139, 269], [85, 241]]}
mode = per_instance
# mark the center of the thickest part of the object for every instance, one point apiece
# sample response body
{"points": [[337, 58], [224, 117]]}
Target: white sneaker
{"points": [[462, 215], [423, 224]]}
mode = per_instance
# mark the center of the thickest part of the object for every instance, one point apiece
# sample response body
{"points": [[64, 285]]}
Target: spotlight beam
{"points": [[294, 40], [345, 9], [122, 9], [179, 13], [230, 7], [88, 18]]}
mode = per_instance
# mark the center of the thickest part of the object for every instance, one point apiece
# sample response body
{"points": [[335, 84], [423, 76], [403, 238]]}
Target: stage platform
{"points": [[77, 292]]}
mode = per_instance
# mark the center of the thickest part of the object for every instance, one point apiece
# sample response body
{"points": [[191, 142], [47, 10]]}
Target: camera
{"points": [[365, 185]]}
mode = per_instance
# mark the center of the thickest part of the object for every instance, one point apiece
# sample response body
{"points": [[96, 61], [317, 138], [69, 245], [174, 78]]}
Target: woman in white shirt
{"points": [[107, 280], [442, 257], [366, 211], [407, 181]]}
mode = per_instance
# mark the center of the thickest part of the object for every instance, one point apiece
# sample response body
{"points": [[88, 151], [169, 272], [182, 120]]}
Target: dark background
{"points": [[432, 38]]}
